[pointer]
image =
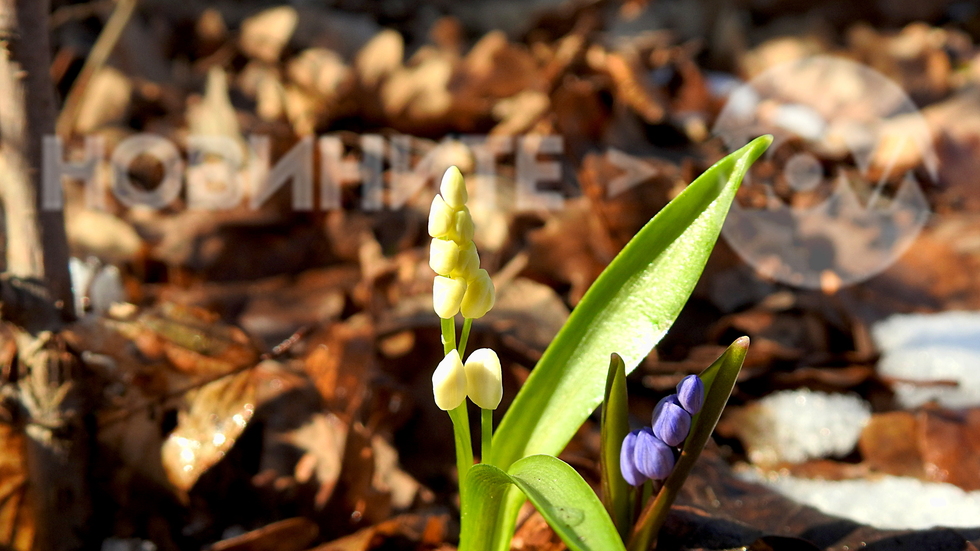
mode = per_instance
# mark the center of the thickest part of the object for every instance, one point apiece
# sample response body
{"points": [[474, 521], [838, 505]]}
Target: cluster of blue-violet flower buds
{"points": [[648, 453]]}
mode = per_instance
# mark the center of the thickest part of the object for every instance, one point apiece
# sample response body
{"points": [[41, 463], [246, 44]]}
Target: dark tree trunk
{"points": [[44, 391]]}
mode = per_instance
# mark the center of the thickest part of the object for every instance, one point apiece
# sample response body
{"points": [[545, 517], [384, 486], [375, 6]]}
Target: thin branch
{"points": [[97, 58], [24, 257], [36, 242], [47, 388]]}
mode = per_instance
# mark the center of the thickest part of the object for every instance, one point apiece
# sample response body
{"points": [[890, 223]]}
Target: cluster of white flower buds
{"points": [[461, 285], [479, 378]]}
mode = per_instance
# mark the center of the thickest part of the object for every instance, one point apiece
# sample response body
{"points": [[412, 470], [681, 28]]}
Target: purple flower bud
{"points": [[652, 457], [627, 467], [690, 393], [671, 422]]}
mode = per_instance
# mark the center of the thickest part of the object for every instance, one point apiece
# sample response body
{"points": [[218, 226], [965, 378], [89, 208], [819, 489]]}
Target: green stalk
{"points": [[486, 435], [464, 445], [459, 415], [448, 335], [467, 324]]}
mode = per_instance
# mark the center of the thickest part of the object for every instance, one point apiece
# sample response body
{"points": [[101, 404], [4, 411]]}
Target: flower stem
{"points": [[448, 335], [464, 444], [486, 435], [467, 325], [459, 415]]}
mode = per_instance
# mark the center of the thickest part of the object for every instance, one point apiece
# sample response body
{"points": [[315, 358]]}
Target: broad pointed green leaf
{"points": [[563, 498], [616, 495], [719, 380], [627, 310]]}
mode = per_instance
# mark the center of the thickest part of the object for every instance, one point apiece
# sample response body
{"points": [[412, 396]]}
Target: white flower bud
{"points": [[442, 218], [453, 188], [462, 230], [479, 295], [483, 380], [443, 256], [449, 382], [468, 261], [447, 294]]}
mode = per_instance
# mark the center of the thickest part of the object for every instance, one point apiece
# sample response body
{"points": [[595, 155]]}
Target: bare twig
{"points": [[24, 257], [46, 392], [36, 241], [96, 60]]}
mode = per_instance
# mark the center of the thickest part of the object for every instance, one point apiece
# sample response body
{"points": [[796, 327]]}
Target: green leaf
{"points": [[616, 495], [719, 380], [563, 498], [627, 310], [481, 496]]}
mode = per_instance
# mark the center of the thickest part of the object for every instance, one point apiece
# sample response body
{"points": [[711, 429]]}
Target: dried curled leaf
{"points": [[16, 515], [218, 414], [323, 440], [190, 339]]}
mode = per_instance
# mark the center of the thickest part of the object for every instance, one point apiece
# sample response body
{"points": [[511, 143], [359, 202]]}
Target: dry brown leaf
{"points": [[580, 113], [777, 51], [388, 476], [265, 34], [214, 115], [497, 68], [492, 70], [932, 444], [950, 445], [447, 33], [16, 516], [302, 110], [956, 124], [323, 439], [888, 444], [262, 82], [216, 172], [210, 26], [176, 350], [423, 530], [916, 58], [626, 191], [340, 364], [631, 89], [366, 504], [106, 100], [216, 416], [101, 234], [828, 379], [937, 271], [519, 112], [313, 299], [535, 535], [321, 71], [528, 312], [418, 95], [292, 534], [191, 340], [571, 248], [379, 58]]}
